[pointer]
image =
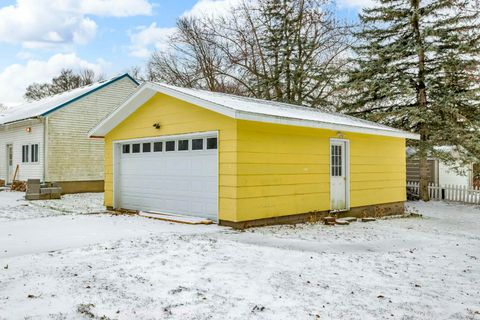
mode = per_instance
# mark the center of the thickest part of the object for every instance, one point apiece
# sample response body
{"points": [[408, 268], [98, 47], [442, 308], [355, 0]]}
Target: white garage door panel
{"points": [[183, 182]]}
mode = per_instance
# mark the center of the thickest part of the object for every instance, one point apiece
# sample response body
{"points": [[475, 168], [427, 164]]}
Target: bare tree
{"points": [[137, 73], [65, 81], [286, 50], [193, 60], [88, 76], [37, 91]]}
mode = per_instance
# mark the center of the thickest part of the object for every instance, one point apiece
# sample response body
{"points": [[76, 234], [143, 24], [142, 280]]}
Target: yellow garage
{"points": [[246, 162]]}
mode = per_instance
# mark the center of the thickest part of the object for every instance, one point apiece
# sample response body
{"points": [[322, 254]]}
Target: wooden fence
{"points": [[448, 192]]}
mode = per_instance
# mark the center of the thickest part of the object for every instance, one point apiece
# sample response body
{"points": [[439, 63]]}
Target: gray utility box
{"points": [[45, 191]]}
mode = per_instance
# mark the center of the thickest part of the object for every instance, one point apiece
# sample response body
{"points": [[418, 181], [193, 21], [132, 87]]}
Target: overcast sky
{"points": [[40, 37]]}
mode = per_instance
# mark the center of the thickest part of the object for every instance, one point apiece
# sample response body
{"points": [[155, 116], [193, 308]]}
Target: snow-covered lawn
{"points": [[14, 207], [71, 266]]}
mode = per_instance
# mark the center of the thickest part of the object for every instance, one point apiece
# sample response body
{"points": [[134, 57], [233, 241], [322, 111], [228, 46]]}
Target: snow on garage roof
{"points": [[49, 104], [247, 109]]}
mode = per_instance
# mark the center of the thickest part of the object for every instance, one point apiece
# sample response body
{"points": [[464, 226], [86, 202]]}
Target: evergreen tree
{"points": [[417, 68]]}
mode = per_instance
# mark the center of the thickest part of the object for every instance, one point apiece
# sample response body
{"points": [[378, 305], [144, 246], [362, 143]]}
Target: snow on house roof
{"points": [[49, 104], [248, 109]]}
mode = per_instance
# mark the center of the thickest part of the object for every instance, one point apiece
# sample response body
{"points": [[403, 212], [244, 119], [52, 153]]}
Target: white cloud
{"points": [[46, 23], [144, 39], [15, 78], [117, 8], [36, 22], [148, 37], [211, 8]]}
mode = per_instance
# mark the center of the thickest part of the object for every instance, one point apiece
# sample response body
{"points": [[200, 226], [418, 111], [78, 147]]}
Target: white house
{"points": [[47, 139]]}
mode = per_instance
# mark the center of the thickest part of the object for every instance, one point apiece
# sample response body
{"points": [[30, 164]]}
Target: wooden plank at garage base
{"points": [[174, 218]]}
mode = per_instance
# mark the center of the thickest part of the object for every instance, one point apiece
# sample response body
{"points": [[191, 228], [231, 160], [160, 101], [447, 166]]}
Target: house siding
{"points": [[16, 135], [285, 170], [270, 170], [178, 117], [72, 156]]}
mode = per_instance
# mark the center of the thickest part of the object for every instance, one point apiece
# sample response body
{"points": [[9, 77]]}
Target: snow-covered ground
{"points": [[13, 205], [58, 264]]}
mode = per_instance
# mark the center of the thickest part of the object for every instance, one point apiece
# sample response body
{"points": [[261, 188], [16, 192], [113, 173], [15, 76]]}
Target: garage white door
{"points": [[175, 175]]}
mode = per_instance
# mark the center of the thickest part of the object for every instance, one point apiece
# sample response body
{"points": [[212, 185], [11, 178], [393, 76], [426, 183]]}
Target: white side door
{"points": [[339, 175], [9, 163]]}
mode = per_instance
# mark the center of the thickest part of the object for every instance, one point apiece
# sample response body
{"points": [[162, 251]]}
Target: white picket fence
{"points": [[448, 192]]}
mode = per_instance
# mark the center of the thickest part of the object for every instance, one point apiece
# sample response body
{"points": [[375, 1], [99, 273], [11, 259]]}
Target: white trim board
{"points": [[347, 172], [247, 109]]}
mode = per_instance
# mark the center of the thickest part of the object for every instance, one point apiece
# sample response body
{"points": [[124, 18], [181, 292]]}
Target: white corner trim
{"points": [[347, 171]]}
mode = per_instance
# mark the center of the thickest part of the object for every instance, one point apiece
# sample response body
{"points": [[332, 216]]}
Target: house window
{"points": [[147, 147], [157, 146], [182, 145], [126, 148], [197, 144], [25, 153], [34, 157], [336, 161], [211, 143], [170, 146], [136, 148]]}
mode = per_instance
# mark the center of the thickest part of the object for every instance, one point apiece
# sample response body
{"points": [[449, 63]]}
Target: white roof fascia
{"points": [[136, 100], [212, 106], [21, 123], [323, 125], [132, 104], [148, 90]]}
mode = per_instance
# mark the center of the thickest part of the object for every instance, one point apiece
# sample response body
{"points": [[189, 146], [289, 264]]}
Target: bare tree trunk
{"points": [[421, 99]]}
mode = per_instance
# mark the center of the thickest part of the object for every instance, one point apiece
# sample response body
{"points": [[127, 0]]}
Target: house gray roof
{"points": [[50, 104], [248, 109]]}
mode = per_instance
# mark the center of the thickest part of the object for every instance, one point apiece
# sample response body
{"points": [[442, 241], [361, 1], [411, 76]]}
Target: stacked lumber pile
{"points": [[18, 186]]}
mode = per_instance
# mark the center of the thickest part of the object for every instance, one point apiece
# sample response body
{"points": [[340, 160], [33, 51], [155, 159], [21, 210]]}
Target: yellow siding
{"points": [[284, 170], [178, 117], [268, 170]]}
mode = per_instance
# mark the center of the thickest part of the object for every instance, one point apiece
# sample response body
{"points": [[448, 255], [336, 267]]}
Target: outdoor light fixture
{"points": [[156, 125], [28, 129]]}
